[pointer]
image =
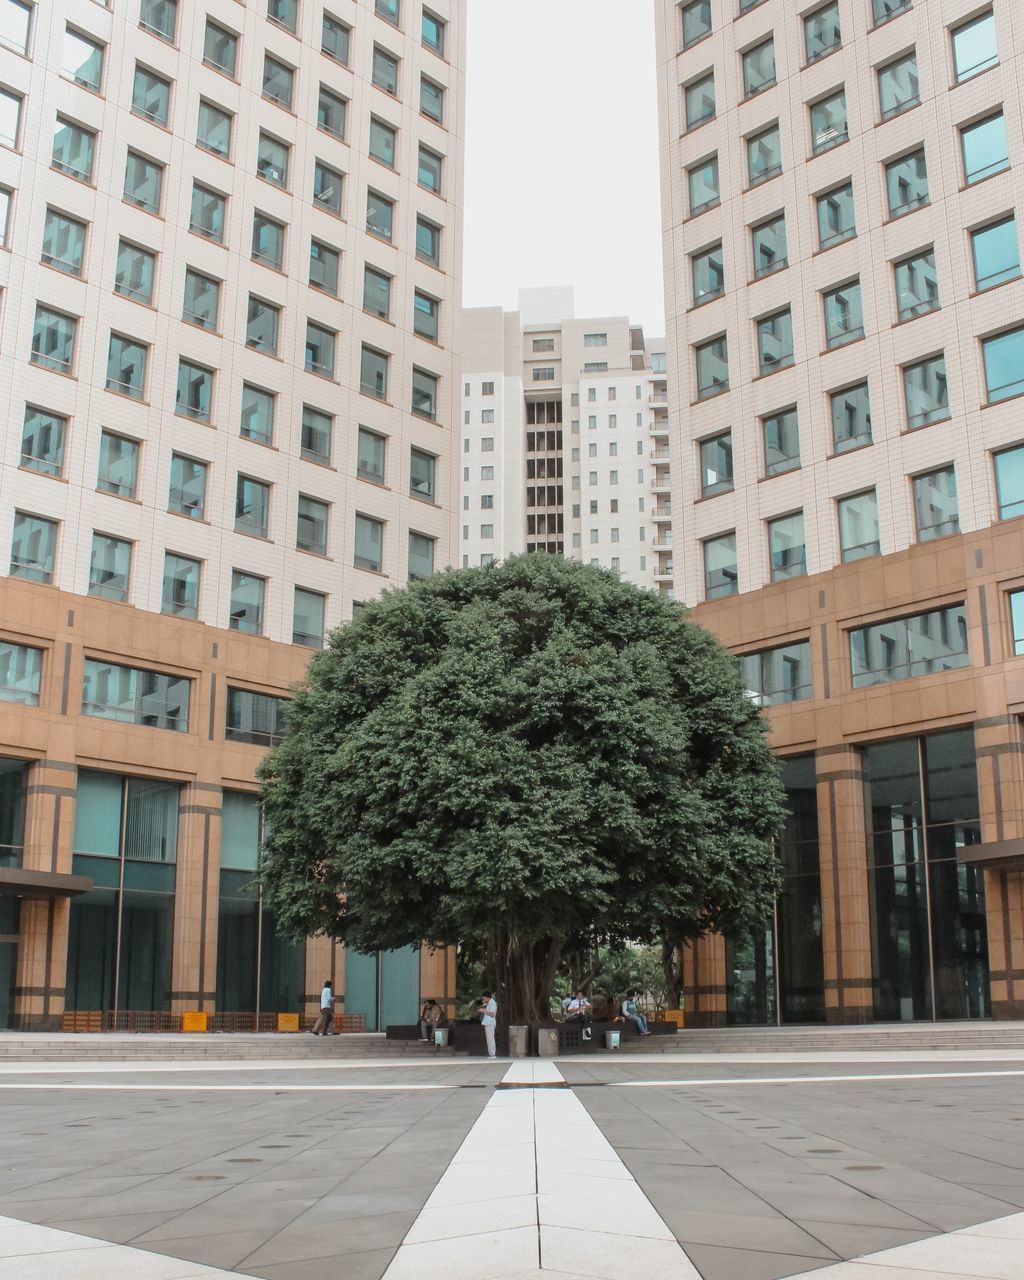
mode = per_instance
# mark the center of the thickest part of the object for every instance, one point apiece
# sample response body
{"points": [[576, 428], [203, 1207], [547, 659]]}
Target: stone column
{"points": [[704, 981], [437, 977], [196, 895], [999, 744]]}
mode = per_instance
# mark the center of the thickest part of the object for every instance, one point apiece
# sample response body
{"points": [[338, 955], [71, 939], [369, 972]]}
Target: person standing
{"points": [[489, 1018], [326, 1018]]}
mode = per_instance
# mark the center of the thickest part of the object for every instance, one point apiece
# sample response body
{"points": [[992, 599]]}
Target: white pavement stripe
{"points": [[226, 1088], [32, 1252], [858, 1079], [127, 1066], [519, 1199]]}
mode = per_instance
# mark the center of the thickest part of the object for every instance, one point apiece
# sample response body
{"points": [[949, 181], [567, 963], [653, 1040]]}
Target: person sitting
{"points": [[630, 1011], [579, 1012]]}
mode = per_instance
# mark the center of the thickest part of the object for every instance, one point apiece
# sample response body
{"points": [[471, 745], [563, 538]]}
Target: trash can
{"points": [[441, 1037], [611, 1039], [547, 1042], [517, 1042]]}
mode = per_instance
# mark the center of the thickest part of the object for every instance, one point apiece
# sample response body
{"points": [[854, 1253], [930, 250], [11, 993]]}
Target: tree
{"points": [[531, 756]]}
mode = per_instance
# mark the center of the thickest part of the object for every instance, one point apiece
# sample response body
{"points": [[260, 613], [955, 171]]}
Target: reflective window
{"points": [[428, 174], [15, 24], [42, 441], [836, 219], [712, 361], [220, 48], [822, 34], [206, 215], [974, 46], [315, 441], [431, 100], [906, 182], [935, 504], [10, 119], [851, 417], [202, 300], [308, 610], [118, 471], [53, 340], [252, 506], [696, 19], [330, 113], [708, 274], [389, 10], [421, 556], [187, 494], [1003, 357], [63, 242], [775, 342], [858, 526], [996, 253], [384, 70], [258, 718], [927, 392], [33, 547], [334, 39], [787, 548], [193, 397], [917, 285], [262, 325], [135, 696], [278, 82], [900, 648], [382, 142], [245, 611], [425, 315], [376, 292], [898, 87], [369, 543], [151, 96], [74, 150], [143, 182], [759, 68], [422, 475], [126, 367], [424, 393], [327, 187], [160, 17], [428, 242], [324, 266], [716, 464], [109, 567], [829, 124], [380, 217], [883, 10], [267, 241], [284, 12], [775, 676], [134, 272], [764, 155], [1016, 625], [320, 348], [21, 669], [721, 576], [702, 180], [272, 160], [984, 148], [373, 373], [781, 442], [432, 32], [213, 129], [844, 314], [370, 456], [311, 529], [5, 217], [699, 100], [180, 594], [768, 241], [82, 60], [257, 418]]}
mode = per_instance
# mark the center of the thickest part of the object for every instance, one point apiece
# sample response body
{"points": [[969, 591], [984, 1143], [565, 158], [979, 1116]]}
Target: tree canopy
{"points": [[521, 755]]}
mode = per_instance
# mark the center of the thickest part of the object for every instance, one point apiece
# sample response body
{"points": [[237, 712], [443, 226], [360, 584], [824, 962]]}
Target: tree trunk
{"points": [[672, 968], [523, 974]]}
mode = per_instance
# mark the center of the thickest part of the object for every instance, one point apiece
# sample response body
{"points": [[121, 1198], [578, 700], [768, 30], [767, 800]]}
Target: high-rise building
{"points": [[229, 336], [564, 439], [846, 343]]}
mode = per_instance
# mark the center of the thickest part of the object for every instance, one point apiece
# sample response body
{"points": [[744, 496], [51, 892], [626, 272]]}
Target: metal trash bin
{"points": [[547, 1042], [517, 1042], [441, 1037], [612, 1039]]}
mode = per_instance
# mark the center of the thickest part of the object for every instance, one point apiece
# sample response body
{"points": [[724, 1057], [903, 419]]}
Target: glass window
{"points": [[193, 396], [206, 215], [320, 347], [373, 373], [267, 241], [764, 155], [126, 367], [781, 442], [151, 96], [160, 17], [370, 453], [384, 70], [252, 506], [935, 504], [858, 526], [311, 530], [424, 393], [327, 187], [380, 217], [109, 567], [699, 100], [118, 471], [428, 242], [220, 48], [213, 129], [258, 718], [202, 300], [721, 577], [1003, 357], [10, 119], [308, 618], [696, 18], [376, 292], [278, 82], [844, 315], [425, 315], [906, 182], [917, 286], [898, 87], [257, 419], [768, 241], [716, 464], [702, 180], [63, 242], [421, 556], [775, 341], [996, 253], [5, 217], [775, 676], [422, 475], [708, 274], [15, 24], [432, 32], [334, 38], [984, 148], [33, 547], [134, 272], [187, 495], [836, 221], [330, 113], [284, 12], [883, 10], [135, 696], [324, 266], [53, 340], [272, 160], [388, 10], [431, 100], [927, 392], [822, 34], [759, 68], [904, 647], [262, 325], [429, 172], [42, 441], [74, 150], [974, 46], [829, 124], [787, 547], [82, 60], [21, 669], [369, 543], [143, 182], [1016, 623], [245, 612], [851, 417], [315, 441], [180, 595], [382, 142], [712, 359]]}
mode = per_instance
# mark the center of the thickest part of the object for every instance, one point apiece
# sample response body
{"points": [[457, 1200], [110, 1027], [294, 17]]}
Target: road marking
{"points": [[754, 1080], [230, 1088]]}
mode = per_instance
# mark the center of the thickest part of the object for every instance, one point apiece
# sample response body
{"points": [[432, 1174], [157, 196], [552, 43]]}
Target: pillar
{"points": [[999, 744], [704, 982], [196, 895]]}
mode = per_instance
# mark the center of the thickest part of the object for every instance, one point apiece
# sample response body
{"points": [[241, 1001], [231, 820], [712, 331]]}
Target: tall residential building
{"points": [[565, 439], [229, 333], [841, 187]]}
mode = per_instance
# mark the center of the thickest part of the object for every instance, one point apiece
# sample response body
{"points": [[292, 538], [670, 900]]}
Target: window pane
{"points": [[73, 150], [82, 60], [388, 10], [15, 21], [151, 96], [187, 495], [421, 556], [708, 274], [194, 393], [431, 100], [696, 18], [935, 504], [700, 100], [370, 456], [284, 12], [278, 82], [844, 317], [206, 216], [384, 70], [369, 543], [202, 298], [759, 68], [252, 506], [974, 46], [829, 122], [775, 341], [42, 441], [143, 182], [898, 88], [109, 567], [422, 474], [776, 676], [858, 526], [429, 172], [425, 316], [851, 417], [257, 418], [324, 264], [316, 435], [53, 340], [255, 717], [220, 48], [134, 273], [32, 547], [376, 292], [126, 367], [903, 647], [836, 220], [382, 142], [781, 442], [246, 608], [159, 16], [10, 119], [63, 243], [917, 286], [764, 156], [712, 367], [996, 253], [433, 30], [424, 393], [380, 216], [1004, 365], [821, 31], [373, 374], [985, 149], [262, 322], [151, 698], [20, 675], [308, 619], [1017, 621], [330, 113], [769, 246], [118, 465], [327, 187], [927, 392], [335, 38], [272, 160], [703, 184], [786, 547], [716, 465], [213, 130], [882, 10], [720, 573], [320, 345], [180, 587], [311, 531]]}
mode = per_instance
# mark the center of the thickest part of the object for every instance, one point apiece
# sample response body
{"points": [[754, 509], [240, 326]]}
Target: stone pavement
{"points": [[873, 1166]]}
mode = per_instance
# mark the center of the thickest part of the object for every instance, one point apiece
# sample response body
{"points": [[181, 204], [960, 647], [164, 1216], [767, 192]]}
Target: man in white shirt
{"points": [[579, 1012], [489, 1020], [323, 1023]]}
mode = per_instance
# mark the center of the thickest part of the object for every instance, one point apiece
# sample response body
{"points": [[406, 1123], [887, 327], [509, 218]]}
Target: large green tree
{"points": [[525, 756]]}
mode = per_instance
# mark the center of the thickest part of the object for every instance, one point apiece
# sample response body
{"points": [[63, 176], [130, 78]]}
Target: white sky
{"points": [[562, 155]]}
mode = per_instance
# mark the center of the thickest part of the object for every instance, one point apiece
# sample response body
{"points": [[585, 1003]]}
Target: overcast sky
{"points": [[562, 155]]}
